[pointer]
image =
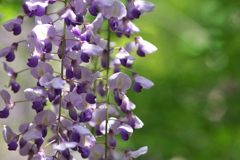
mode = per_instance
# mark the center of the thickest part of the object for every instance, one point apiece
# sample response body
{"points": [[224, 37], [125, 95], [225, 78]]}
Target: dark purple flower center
{"points": [[12, 146], [4, 113], [93, 9]]}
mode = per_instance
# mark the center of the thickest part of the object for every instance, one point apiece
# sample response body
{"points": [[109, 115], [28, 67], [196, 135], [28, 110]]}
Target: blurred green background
{"points": [[192, 112]]}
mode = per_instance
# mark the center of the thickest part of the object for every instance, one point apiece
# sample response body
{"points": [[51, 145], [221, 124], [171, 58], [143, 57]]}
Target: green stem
{"points": [[94, 70], [107, 91], [62, 67], [23, 70]]}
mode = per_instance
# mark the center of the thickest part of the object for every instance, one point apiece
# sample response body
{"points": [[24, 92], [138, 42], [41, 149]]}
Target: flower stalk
{"points": [[62, 76], [107, 89]]}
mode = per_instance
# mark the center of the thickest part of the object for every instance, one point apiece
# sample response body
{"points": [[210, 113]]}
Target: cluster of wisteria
{"points": [[73, 106]]}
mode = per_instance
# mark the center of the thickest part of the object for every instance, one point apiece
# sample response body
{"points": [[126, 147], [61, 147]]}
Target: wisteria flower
{"points": [[90, 34], [79, 6], [65, 145], [120, 81], [48, 80], [116, 10], [85, 58], [96, 24], [45, 118], [133, 120], [125, 25], [70, 102], [138, 7], [23, 128], [87, 139], [97, 152], [13, 75], [41, 69], [32, 134], [28, 149], [126, 105], [10, 137], [8, 52], [144, 47], [38, 97], [90, 50], [112, 123], [33, 93], [14, 25], [125, 131], [144, 6], [141, 82], [69, 17], [135, 154], [106, 3], [99, 115], [44, 31], [8, 104], [124, 56], [36, 49], [85, 105], [36, 7]]}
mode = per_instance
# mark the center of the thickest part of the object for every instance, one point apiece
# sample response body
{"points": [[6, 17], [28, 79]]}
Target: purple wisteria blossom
{"points": [[126, 105], [10, 138], [41, 69], [69, 17], [141, 82], [29, 149], [65, 145], [13, 75], [43, 32], [37, 96], [47, 80], [135, 154], [138, 7], [115, 10], [36, 7], [70, 102], [14, 25], [39, 43], [8, 104], [90, 50], [124, 56], [77, 70], [126, 27], [99, 115], [144, 47], [119, 83], [8, 52]]}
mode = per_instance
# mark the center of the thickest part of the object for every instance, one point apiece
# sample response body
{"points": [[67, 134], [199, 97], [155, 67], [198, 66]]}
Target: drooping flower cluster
{"points": [[80, 95]]}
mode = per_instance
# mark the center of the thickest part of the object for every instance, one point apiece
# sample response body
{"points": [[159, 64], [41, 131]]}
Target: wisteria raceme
{"points": [[87, 99]]}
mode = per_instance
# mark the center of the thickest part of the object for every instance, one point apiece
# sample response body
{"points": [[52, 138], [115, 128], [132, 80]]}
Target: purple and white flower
{"points": [[144, 47], [8, 52], [14, 25], [135, 154], [8, 104]]}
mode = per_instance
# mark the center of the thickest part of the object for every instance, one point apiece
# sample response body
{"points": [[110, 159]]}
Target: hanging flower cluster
{"points": [[82, 116]]}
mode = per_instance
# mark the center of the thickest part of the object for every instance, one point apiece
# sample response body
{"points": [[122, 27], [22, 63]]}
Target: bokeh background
{"points": [[192, 112]]}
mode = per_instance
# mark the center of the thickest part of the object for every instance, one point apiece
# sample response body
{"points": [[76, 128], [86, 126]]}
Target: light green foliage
{"points": [[9, 9]]}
